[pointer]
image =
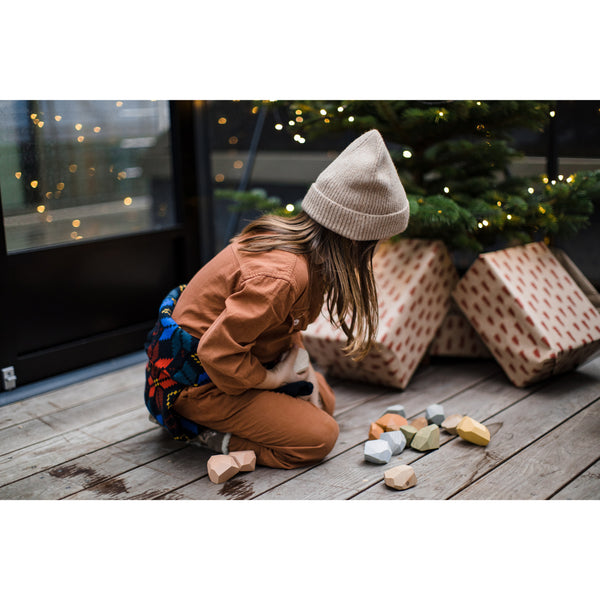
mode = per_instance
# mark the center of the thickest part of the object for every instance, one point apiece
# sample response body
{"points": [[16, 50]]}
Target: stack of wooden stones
{"points": [[392, 433], [222, 467]]}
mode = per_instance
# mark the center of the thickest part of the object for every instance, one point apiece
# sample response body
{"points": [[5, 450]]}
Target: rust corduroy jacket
{"points": [[247, 309]]}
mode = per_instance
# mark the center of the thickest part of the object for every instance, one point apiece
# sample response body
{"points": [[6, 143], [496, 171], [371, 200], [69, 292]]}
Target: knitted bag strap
{"points": [[172, 366], [185, 367]]}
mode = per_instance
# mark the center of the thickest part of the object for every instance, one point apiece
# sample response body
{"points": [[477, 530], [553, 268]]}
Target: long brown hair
{"points": [[345, 267]]}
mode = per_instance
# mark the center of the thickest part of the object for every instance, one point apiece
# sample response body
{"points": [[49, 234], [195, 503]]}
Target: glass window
{"points": [[276, 164], [82, 170]]}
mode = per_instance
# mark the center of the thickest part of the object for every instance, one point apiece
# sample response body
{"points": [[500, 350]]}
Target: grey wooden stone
{"points": [[396, 409], [378, 452], [396, 440], [435, 414]]}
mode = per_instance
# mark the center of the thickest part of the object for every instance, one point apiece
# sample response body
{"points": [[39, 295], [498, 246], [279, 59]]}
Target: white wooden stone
{"points": [[396, 440], [378, 452]]}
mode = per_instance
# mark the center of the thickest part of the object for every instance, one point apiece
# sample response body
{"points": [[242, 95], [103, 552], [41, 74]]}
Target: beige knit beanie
{"points": [[359, 195]]}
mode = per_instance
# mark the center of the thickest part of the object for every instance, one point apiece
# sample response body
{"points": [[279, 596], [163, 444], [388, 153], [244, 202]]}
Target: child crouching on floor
{"points": [[220, 369]]}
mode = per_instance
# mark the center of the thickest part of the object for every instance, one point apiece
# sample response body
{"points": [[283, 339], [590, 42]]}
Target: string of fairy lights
{"points": [[442, 113], [81, 133]]}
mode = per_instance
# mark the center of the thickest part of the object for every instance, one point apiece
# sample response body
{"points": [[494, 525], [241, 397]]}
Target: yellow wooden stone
{"points": [[472, 431]]}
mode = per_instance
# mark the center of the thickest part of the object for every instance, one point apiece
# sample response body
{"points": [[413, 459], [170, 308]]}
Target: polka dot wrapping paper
{"points": [[414, 281], [529, 311]]}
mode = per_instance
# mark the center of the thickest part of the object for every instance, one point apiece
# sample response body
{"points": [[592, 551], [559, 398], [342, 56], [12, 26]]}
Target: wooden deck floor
{"points": [[93, 440]]}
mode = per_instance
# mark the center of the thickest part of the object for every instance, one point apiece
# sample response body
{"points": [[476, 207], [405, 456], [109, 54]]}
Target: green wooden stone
{"points": [[409, 432], [427, 438]]}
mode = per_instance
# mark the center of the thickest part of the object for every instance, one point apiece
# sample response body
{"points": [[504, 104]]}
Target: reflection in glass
{"points": [[80, 170]]}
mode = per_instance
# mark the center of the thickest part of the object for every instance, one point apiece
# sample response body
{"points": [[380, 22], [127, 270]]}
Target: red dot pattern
{"points": [[456, 337], [414, 281], [529, 312]]}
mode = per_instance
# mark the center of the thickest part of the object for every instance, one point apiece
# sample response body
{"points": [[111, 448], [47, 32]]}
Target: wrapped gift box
{"points": [[456, 337], [414, 281], [529, 311], [578, 277]]}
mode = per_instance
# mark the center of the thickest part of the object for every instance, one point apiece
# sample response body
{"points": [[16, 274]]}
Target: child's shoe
{"points": [[213, 440]]}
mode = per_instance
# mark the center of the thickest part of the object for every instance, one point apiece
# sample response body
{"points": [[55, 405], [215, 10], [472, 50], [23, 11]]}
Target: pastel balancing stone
{"points": [[391, 422], [375, 431], [472, 431], [378, 452], [245, 459], [221, 467], [401, 477], [427, 438], [435, 414], [419, 422], [409, 432], [396, 409], [395, 439], [450, 423]]}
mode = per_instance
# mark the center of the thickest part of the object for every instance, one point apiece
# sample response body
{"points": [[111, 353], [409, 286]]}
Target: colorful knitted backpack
{"points": [[172, 366]]}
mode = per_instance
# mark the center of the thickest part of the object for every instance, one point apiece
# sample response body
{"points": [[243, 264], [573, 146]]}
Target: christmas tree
{"points": [[454, 160]]}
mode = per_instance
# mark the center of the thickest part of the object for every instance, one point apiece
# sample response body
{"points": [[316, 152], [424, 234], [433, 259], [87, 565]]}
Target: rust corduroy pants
{"points": [[284, 432]]}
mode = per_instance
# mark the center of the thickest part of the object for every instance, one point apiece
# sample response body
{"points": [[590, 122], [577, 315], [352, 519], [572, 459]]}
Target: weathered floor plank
{"points": [[349, 394], [91, 469], [443, 473], [70, 445], [84, 392], [584, 487], [545, 466], [153, 479], [34, 431]]}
